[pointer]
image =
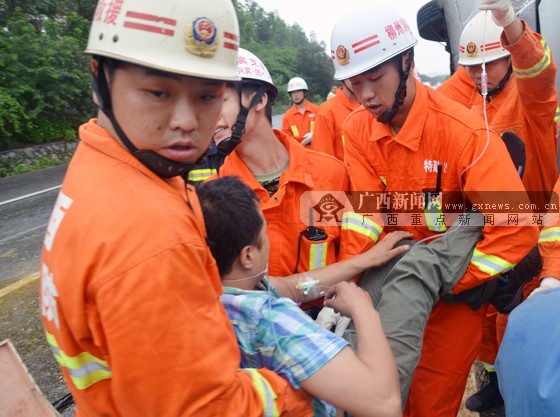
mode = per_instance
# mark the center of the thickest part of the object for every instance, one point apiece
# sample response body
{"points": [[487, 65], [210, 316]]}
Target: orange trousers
{"points": [[450, 346]]}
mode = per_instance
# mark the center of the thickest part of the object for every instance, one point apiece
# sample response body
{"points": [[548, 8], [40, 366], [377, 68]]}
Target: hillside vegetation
{"points": [[45, 84]]}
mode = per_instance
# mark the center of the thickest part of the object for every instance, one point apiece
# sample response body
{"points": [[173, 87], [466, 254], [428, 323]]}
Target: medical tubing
{"points": [[484, 93]]}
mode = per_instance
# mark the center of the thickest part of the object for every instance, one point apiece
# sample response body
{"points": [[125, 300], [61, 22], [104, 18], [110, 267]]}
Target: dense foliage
{"points": [[45, 90]]}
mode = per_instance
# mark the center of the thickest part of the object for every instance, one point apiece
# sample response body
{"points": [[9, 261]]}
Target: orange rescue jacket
{"points": [[527, 106], [130, 297], [327, 135], [296, 124], [437, 131]]}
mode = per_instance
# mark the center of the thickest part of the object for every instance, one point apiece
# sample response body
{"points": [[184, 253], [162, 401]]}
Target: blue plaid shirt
{"points": [[274, 333]]}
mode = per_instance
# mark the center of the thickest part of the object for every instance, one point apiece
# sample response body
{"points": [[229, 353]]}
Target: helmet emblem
{"points": [[471, 50], [342, 55], [201, 37]]}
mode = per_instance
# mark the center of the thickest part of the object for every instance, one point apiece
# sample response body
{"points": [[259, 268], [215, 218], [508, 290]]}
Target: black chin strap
{"points": [[400, 94], [159, 165], [226, 146], [501, 84]]}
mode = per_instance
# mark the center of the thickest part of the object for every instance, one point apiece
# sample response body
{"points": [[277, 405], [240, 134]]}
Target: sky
{"points": [[319, 16]]}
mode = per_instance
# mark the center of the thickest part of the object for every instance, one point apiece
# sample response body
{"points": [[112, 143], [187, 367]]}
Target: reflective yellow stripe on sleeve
{"points": [[84, 369], [557, 117], [550, 234], [295, 131], [201, 174], [538, 67], [268, 396], [491, 264], [318, 255], [361, 224]]}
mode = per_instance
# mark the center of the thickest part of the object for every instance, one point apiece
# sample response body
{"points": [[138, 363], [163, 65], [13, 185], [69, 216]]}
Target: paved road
{"points": [[277, 121], [26, 202]]}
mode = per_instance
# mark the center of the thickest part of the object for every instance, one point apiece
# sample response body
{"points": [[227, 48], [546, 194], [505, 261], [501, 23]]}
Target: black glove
{"points": [[509, 288]]}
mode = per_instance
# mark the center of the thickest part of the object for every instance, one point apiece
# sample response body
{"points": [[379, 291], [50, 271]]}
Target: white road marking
{"points": [[46, 190]]}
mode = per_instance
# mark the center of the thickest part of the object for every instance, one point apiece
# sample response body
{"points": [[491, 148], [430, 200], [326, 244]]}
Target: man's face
{"points": [[298, 96], [495, 70], [228, 115], [169, 114], [376, 88]]}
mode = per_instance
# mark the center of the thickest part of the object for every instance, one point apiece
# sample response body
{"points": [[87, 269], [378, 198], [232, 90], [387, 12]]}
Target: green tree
{"points": [[47, 74], [45, 90], [13, 120], [41, 9]]}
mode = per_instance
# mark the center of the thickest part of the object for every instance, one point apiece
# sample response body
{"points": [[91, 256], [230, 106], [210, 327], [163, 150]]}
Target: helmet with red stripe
{"points": [[367, 37], [480, 41], [186, 37]]}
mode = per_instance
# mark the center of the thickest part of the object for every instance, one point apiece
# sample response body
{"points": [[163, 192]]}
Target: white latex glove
{"points": [[502, 11], [328, 318], [546, 284], [307, 139]]}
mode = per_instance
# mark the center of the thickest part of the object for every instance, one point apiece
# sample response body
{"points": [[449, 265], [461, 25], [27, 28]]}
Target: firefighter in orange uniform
{"points": [[299, 120], [129, 289], [522, 98], [280, 171], [327, 135], [408, 138]]}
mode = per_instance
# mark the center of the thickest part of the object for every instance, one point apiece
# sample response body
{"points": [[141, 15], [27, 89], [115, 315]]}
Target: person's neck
{"points": [[301, 106], [237, 279], [262, 152]]}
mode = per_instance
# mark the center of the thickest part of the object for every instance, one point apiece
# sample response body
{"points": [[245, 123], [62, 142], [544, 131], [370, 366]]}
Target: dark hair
{"points": [[232, 219]]}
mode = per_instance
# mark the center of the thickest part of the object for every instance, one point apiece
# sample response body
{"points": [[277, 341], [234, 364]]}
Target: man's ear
{"points": [[247, 257], [262, 102], [94, 63], [406, 59]]}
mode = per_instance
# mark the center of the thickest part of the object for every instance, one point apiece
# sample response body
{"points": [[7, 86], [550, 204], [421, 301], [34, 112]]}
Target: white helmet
{"points": [[480, 40], [186, 37], [250, 67], [367, 37], [297, 83]]}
